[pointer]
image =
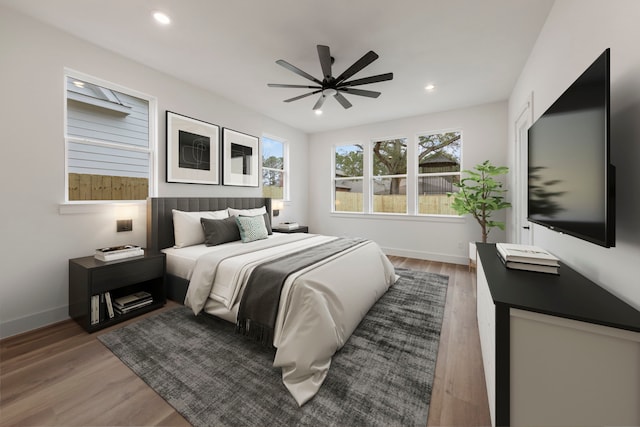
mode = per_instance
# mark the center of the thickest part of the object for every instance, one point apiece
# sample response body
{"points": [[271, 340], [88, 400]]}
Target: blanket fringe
{"points": [[256, 331]]}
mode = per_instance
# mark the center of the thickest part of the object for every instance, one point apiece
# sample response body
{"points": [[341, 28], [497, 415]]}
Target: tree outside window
{"points": [[389, 181], [386, 183], [438, 169], [274, 174], [349, 178]]}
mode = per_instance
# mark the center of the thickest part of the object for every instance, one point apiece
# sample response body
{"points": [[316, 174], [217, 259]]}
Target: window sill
{"points": [[399, 217], [71, 208]]}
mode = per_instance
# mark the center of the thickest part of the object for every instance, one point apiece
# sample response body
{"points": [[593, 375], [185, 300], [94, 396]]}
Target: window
{"points": [[389, 185], [379, 178], [109, 148], [348, 178], [438, 158], [274, 169]]}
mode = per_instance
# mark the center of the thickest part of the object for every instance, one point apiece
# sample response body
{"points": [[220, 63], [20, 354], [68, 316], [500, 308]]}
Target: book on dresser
{"points": [[112, 253], [527, 257]]}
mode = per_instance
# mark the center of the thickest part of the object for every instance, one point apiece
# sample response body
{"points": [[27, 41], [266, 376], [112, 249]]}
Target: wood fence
{"points": [[435, 204], [104, 187], [272, 191]]}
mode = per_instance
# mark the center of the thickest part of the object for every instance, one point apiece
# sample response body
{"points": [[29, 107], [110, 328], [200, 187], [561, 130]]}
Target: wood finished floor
{"points": [[62, 376]]}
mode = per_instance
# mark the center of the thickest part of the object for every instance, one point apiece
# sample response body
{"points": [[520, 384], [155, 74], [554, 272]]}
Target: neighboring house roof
{"points": [[437, 160]]}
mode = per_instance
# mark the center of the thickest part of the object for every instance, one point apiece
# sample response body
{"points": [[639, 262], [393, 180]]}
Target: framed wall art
{"points": [[240, 158], [193, 148]]}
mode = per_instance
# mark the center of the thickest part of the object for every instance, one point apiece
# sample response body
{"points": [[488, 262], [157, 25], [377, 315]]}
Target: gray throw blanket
{"points": [[259, 304]]}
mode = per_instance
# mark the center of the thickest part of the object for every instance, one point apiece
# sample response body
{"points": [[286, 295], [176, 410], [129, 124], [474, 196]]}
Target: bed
{"points": [[317, 305]]}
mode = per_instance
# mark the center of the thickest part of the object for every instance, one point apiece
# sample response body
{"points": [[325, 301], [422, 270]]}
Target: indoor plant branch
{"points": [[480, 194]]}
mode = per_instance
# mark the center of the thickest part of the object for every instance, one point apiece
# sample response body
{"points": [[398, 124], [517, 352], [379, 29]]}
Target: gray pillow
{"points": [[267, 224], [219, 231]]}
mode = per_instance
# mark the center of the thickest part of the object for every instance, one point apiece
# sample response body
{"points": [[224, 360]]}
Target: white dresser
{"points": [[557, 349]]}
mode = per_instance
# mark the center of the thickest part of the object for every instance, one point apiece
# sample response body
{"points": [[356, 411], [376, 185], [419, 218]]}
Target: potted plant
{"points": [[481, 194]]}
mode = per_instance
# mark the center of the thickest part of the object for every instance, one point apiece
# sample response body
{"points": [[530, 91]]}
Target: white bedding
{"points": [[320, 306]]}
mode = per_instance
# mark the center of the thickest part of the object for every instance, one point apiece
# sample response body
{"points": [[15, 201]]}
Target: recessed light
{"points": [[429, 87], [162, 18], [318, 112]]}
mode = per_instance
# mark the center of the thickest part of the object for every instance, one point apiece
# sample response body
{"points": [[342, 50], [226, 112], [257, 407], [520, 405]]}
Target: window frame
{"points": [[373, 177], [151, 150], [365, 183], [412, 179], [418, 175], [286, 172]]}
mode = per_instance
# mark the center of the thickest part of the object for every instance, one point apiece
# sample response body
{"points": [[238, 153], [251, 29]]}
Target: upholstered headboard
{"points": [[160, 217]]}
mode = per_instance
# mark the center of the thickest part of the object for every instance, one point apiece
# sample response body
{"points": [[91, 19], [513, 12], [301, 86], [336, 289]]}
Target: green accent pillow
{"points": [[251, 228]]}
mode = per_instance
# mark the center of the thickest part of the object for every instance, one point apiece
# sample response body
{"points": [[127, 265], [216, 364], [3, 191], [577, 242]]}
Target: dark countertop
{"points": [[569, 294]]}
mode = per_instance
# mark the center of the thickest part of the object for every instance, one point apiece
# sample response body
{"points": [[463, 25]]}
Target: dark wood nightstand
{"points": [[89, 277], [299, 229]]}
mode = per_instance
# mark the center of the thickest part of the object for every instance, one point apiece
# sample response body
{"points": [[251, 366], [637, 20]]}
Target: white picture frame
{"points": [[240, 162], [193, 150]]}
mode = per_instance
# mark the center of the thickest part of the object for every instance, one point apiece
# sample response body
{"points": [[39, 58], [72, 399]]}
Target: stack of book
{"points": [[287, 226], [101, 308], [526, 257], [118, 252], [132, 302]]}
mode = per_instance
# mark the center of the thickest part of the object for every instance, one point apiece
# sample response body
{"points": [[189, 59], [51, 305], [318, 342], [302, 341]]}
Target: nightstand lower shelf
{"points": [[89, 277]]}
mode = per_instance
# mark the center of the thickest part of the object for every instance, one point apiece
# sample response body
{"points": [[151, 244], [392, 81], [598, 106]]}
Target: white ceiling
{"points": [[472, 50]]}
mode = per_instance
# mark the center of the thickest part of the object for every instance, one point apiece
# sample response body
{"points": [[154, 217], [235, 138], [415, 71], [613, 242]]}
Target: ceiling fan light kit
{"points": [[334, 86]]}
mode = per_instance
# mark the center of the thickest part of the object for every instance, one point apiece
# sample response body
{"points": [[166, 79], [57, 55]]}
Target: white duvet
{"points": [[320, 306]]}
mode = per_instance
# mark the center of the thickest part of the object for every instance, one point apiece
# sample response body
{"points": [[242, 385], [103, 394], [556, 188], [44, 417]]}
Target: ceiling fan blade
{"points": [[302, 96], [320, 102], [366, 59], [296, 86], [297, 70], [367, 80], [369, 93], [325, 60], [342, 100]]}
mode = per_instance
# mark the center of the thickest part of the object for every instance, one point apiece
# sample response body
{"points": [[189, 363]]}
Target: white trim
{"points": [[431, 256], [33, 321], [333, 177], [96, 206], [399, 217], [286, 171], [373, 177], [525, 118], [152, 149]]}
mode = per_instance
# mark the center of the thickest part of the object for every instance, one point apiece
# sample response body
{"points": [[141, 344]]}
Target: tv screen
{"points": [[571, 180]]}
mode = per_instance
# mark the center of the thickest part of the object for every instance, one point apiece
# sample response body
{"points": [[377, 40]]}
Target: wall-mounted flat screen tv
{"points": [[571, 180]]}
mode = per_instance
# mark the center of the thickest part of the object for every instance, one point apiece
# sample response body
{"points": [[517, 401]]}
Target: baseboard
{"points": [[33, 321], [430, 256]]}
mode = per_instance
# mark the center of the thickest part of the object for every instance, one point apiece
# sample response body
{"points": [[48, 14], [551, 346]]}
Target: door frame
{"points": [[523, 229]]}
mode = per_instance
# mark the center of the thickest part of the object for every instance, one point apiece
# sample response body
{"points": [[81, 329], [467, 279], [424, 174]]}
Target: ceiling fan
{"points": [[335, 86]]}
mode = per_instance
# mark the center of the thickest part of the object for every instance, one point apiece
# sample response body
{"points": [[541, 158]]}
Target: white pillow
{"points": [[253, 212], [247, 212], [187, 230]]}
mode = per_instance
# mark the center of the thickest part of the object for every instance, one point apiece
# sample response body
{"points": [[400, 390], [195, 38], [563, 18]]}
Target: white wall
{"points": [[37, 240], [575, 34], [484, 131]]}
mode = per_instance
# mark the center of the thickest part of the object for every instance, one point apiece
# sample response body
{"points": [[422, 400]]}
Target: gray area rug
{"points": [[381, 377]]}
